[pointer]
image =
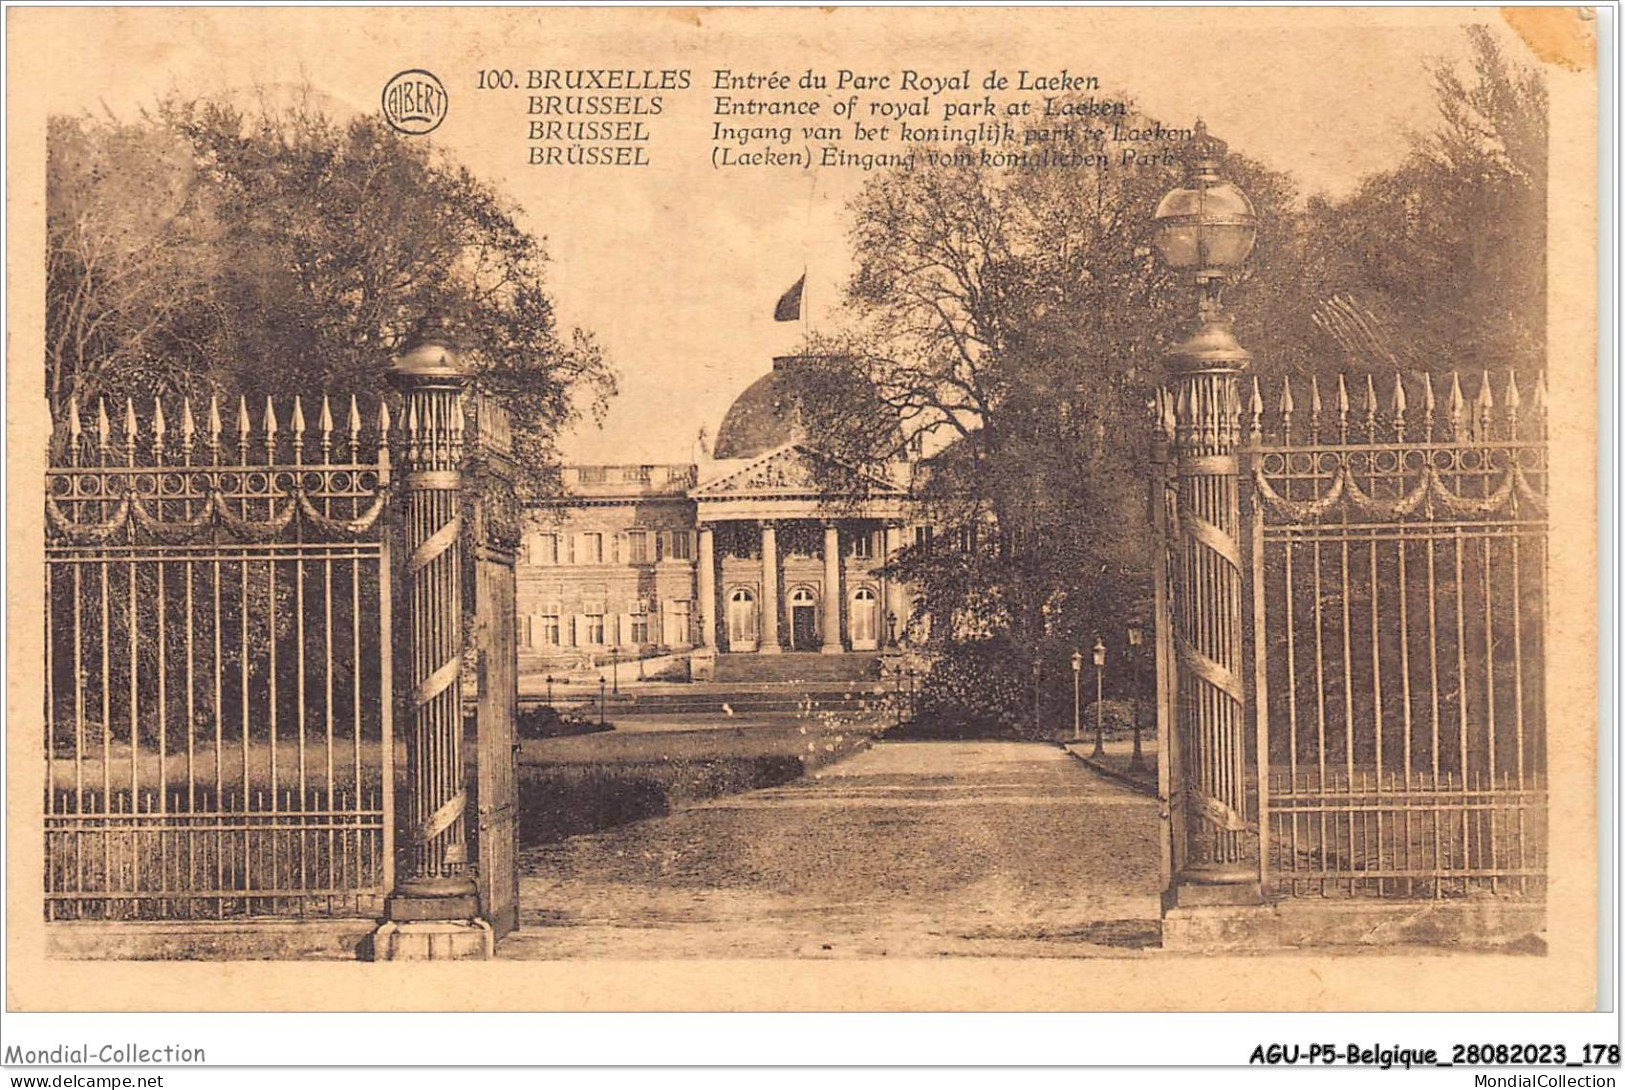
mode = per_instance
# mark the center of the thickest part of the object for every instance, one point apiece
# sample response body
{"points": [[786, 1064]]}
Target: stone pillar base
{"points": [[702, 665], [436, 940], [1188, 894], [770, 649], [832, 649], [1220, 927]]}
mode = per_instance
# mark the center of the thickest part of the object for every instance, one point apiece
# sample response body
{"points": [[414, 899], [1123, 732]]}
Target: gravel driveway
{"points": [[909, 849]]}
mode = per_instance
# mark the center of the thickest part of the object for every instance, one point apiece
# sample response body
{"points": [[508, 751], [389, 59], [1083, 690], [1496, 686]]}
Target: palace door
{"points": [[865, 619], [741, 620], [803, 621]]}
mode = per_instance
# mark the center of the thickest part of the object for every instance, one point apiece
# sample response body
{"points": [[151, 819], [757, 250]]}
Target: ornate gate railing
{"points": [[1399, 612], [218, 670], [1392, 621]]}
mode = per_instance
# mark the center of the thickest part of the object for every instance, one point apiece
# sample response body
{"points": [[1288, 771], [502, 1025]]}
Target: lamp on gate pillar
{"points": [[435, 883], [1206, 228]]}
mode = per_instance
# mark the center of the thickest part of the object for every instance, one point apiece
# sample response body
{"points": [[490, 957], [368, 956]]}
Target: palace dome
{"points": [[775, 409], [763, 418]]}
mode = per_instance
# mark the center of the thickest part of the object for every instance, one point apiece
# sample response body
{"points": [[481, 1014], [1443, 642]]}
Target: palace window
{"points": [[592, 548], [680, 547], [863, 545], [542, 549], [640, 627], [595, 629], [637, 547], [922, 539], [542, 630], [594, 474]]}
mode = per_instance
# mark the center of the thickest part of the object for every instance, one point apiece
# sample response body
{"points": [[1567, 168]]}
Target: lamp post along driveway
{"points": [[1077, 673], [1100, 727]]}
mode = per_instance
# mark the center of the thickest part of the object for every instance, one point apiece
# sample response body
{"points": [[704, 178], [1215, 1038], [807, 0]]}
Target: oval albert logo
{"points": [[414, 102]]}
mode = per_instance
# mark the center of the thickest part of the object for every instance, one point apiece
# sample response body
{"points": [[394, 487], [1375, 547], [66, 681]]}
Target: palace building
{"points": [[772, 545]]}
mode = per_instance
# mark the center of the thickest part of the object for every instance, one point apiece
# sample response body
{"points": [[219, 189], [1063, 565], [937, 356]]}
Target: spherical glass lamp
{"points": [[1209, 225]]}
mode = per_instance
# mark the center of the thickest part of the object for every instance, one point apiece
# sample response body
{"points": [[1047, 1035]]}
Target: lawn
{"points": [[649, 768]]}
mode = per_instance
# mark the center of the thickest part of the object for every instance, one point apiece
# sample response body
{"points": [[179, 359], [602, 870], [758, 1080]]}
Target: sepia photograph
{"points": [[1086, 499]]}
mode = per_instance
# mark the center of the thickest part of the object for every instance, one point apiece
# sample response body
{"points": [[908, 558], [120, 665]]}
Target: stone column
{"points": [[707, 585], [895, 605], [433, 910], [768, 609], [832, 590]]}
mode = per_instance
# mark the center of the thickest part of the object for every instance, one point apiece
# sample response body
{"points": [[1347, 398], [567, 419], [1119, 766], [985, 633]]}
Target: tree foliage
{"points": [[207, 247], [1016, 319], [1446, 253]]}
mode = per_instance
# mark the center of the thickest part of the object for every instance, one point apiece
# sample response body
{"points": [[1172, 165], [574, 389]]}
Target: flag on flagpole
{"points": [[789, 306]]}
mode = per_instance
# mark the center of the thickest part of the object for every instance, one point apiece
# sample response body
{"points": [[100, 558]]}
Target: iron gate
{"points": [[1393, 560], [218, 672]]}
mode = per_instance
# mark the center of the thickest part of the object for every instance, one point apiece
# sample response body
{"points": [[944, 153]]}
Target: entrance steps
{"points": [[796, 667], [729, 700]]}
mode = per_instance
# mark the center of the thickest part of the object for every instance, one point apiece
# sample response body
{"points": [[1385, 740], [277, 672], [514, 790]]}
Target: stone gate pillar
{"points": [[433, 910], [1207, 228]]}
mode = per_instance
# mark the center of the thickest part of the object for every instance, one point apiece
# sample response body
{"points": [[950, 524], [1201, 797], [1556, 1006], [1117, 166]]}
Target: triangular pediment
{"points": [[798, 470]]}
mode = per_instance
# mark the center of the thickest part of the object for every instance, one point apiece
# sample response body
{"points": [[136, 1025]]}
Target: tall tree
{"points": [[205, 246], [1015, 319], [1444, 256]]}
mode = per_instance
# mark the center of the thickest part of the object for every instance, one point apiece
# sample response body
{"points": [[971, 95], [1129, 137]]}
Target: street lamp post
{"points": [[549, 690], [600, 700], [1077, 673], [1100, 666], [615, 668], [1206, 228], [1038, 671], [1137, 761]]}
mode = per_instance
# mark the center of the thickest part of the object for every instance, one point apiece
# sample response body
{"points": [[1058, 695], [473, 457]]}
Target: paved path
{"points": [[910, 849]]}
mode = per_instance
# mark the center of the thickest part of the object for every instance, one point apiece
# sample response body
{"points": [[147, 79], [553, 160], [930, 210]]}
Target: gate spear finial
{"points": [[188, 427], [1399, 406], [324, 421], [1427, 406], [244, 428], [355, 430], [1457, 403], [1342, 409]]}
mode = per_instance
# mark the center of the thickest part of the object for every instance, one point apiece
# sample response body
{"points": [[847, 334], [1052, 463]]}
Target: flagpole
{"points": [[806, 307]]}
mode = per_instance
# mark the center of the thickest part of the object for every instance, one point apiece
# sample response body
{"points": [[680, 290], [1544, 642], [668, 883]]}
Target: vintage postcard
{"points": [[784, 509]]}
